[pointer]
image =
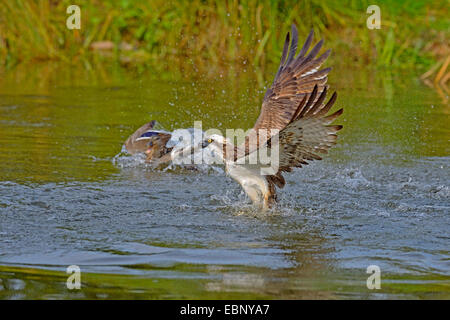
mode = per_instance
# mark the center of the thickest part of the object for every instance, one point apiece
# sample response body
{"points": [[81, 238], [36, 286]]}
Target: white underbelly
{"points": [[254, 184]]}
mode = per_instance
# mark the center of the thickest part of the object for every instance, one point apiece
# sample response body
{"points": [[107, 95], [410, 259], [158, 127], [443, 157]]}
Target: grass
{"points": [[214, 33]]}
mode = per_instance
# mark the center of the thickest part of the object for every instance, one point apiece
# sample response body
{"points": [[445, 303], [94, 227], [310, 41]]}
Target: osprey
{"points": [[294, 108]]}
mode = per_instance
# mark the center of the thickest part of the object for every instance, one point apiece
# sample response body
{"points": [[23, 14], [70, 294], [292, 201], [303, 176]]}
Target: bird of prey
{"points": [[293, 119], [295, 107]]}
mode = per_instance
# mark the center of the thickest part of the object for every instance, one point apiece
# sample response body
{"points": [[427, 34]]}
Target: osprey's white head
{"points": [[216, 143], [215, 139]]}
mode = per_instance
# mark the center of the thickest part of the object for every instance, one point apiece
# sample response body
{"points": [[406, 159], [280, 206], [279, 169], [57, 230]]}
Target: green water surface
{"points": [[68, 197]]}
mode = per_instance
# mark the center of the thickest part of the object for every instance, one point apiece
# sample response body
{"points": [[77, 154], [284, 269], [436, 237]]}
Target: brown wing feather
{"points": [[308, 134], [295, 79], [135, 146], [154, 147]]}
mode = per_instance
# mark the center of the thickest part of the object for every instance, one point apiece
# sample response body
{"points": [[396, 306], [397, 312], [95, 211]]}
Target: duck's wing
{"points": [[308, 135], [295, 79], [148, 140], [133, 145]]}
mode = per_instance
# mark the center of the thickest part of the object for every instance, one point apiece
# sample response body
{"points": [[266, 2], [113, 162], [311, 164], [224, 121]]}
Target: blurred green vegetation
{"points": [[206, 34]]}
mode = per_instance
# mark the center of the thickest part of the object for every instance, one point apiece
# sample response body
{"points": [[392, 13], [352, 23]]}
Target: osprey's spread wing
{"points": [[295, 79], [308, 134]]}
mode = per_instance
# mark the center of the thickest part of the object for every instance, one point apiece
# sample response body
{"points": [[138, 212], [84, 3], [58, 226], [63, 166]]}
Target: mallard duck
{"points": [[149, 141]]}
